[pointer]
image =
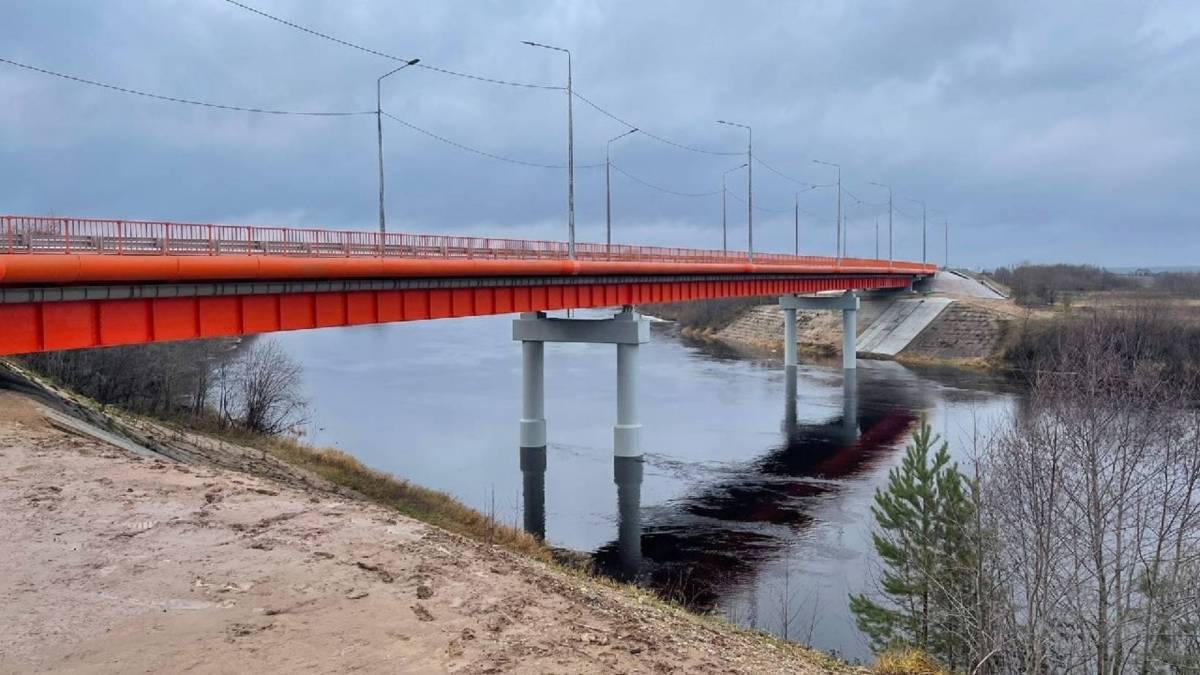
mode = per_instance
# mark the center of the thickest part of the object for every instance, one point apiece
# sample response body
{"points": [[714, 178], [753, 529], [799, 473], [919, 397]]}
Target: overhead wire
{"points": [[783, 175], [757, 207], [644, 132], [663, 189], [393, 57], [187, 101], [484, 153]]}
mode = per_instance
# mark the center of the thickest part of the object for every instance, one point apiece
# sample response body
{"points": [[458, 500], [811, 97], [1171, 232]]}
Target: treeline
{"points": [[1034, 285], [252, 384], [1072, 543]]}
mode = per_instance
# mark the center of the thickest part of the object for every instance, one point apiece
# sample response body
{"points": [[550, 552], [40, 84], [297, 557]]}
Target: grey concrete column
{"points": [[627, 434], [533, 394], [789, 336], [533, 492], [849, 337], [627, 474]]}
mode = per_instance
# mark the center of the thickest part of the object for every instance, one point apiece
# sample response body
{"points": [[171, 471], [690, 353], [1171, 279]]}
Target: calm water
{"points": [[754, 496]]}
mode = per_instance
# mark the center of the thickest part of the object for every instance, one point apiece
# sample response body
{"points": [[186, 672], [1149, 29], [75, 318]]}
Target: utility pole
{"points": [[570, 149], [608, 188], [724, 192], [840, 238], [796, 223], [877, 237], [924, 229], [749, 184], [890, 210], [946, 226], [379, 137]]}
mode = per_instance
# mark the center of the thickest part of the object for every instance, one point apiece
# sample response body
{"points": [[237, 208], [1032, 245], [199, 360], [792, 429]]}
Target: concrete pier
{"points": [[789, 336], [847, 303], [533, 394], [627, 330]]}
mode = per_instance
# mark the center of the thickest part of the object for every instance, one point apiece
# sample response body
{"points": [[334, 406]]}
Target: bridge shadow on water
{"points": [[696, 549]]}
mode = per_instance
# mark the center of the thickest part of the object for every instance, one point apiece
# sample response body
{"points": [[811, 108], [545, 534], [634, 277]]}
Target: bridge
{"points": [[69, 283]]}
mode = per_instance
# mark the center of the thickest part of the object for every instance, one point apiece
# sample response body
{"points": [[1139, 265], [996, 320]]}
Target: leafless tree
{"points": [[261, 389], [1093, 496]]}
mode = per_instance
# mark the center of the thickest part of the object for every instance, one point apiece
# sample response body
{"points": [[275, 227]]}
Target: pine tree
{"points": [[922, 537]]}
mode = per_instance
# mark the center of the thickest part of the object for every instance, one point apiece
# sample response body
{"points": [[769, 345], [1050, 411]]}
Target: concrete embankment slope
{"points": [[962, 319], [898, 325]]}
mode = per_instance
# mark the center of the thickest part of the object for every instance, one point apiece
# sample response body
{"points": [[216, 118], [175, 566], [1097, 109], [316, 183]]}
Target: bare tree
{"points": [[261, 390]]}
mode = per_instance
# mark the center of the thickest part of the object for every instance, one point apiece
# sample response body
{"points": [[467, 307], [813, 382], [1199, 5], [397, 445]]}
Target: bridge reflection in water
{"points": [[698, 548]]}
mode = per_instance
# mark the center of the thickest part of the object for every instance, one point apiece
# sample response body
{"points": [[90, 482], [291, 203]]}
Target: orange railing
{"points": [[52, 235]]}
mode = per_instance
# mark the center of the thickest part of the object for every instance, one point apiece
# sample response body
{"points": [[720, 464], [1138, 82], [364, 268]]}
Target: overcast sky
{"points": [[1044, 131]]}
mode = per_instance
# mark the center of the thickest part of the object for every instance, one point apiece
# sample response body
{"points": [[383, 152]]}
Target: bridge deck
{"points": [[68, 283]]}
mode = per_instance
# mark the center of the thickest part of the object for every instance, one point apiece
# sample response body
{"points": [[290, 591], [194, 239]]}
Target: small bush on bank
{"points": [[906, 662]]}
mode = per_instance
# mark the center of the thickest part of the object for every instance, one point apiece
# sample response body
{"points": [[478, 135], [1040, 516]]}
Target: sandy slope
{"points": [[116, 563]]}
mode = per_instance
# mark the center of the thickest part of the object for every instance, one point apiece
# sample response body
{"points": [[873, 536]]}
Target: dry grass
{"points": [[417, 502], [907, 662]]}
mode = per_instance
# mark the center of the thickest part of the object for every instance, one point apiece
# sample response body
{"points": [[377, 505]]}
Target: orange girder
{"points": [[50, 326]]}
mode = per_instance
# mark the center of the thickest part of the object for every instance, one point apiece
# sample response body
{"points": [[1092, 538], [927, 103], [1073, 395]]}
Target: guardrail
{"points": [[52, 235]]}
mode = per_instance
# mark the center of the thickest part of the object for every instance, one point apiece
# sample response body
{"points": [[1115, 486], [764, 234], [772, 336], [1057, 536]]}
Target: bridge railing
{"points": [[54, 235]]}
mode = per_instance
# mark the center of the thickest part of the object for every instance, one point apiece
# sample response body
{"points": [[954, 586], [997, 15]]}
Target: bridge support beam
{"points": [[848, 304], [627, 330]]}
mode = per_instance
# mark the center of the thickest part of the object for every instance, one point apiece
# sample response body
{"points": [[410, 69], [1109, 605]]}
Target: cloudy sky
{"points": [[1043, 131]]}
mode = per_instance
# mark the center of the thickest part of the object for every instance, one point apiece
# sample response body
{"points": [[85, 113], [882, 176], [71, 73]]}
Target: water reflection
{"points": [[695, 548]]}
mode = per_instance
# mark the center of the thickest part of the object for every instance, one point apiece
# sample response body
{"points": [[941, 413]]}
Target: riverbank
{"points": [[149, 547], [967, 332]]}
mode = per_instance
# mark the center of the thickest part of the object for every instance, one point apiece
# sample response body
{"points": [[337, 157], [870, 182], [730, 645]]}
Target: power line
{"points": [[781, 174], [760, 208], [174, 99], [643, 131], [663, 189], [375, 52], [484, 153]]}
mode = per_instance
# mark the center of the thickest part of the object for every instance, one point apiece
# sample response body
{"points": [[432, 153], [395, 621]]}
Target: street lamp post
{"points": [[570, 149], [379, 136], [608, 188], [839, 247], [724, 191], [924, 230], [796, 224], [946, 225], [889, 189], [877, 237], [749, 185]]}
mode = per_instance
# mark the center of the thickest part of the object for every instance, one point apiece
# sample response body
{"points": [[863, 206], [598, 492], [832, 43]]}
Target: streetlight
{"points": [[379, 134], [608, 188], [877, 237], [570, 149], [796, 223], [923, 229], [889, 189], [724, 238], [749, 184], [839, 204]]}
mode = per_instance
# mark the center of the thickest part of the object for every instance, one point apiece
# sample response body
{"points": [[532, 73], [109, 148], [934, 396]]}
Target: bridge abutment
{"points": [[627, 330], [848, 304]]}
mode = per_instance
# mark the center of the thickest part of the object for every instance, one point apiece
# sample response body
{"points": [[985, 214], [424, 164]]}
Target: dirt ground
{"points": [[119, 563]]}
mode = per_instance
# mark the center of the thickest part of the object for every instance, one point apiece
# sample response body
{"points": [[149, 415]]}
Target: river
{"points": [[754, 496]]}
